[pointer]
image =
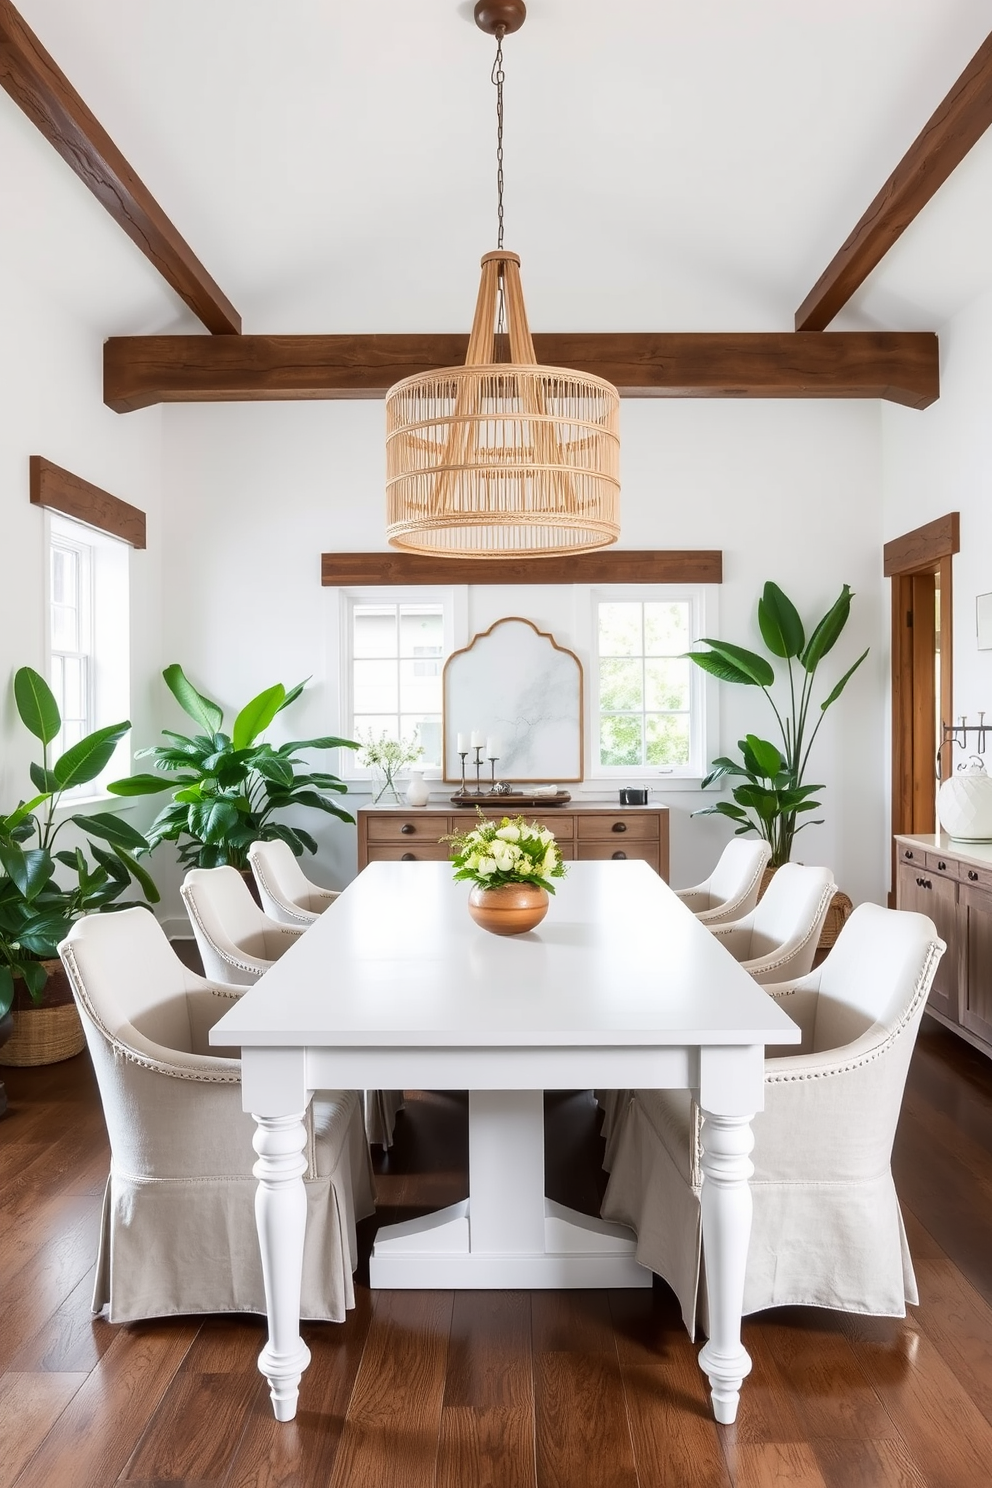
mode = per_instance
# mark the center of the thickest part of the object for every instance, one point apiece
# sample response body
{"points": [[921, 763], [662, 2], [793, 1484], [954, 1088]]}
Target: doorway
{"points": [[919, 565]]}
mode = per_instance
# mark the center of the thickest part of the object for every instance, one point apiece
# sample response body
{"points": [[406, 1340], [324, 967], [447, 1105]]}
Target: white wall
{"points": [[941, 461], [789, 491], [58, 253]]}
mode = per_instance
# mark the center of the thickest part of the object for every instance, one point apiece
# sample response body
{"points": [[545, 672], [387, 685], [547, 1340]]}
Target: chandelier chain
{"points": [[497, 77]]}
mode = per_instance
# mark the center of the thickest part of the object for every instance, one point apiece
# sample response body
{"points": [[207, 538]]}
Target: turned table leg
{"points": [[281, 1217], [726, 1212]]}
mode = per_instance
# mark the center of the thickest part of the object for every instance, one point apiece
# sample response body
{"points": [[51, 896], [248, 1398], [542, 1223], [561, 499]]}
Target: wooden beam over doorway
{"points": [[899, 366], [957, 123], [606, 566], [39, 87]]}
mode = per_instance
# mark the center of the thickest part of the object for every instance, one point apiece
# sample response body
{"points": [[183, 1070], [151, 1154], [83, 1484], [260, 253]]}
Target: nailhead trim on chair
{"points": [[920, 991], [215, 1077], [250, 964]]}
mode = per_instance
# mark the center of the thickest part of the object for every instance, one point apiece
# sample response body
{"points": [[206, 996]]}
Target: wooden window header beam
{"points": [[61, 491], [608, 566], [140, 371], [957, 123], [924, 547], [39, 87]]}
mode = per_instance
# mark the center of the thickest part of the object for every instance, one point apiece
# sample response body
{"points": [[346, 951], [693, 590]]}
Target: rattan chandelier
{"points": [[502, 458]]}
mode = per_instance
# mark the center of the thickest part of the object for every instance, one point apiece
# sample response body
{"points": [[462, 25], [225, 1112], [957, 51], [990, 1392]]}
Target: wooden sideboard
{"points": [[583, 831], [952, 883]]}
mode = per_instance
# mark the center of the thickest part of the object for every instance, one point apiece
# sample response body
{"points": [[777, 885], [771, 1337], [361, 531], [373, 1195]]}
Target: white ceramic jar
{"points": [[964, 803], [418, 793]]}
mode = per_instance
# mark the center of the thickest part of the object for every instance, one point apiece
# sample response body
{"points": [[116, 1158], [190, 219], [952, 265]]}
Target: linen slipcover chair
{"points": [[286, 893], [178, 1227], [778, 939], [238, 942], [827, 1229], [732, 889]]}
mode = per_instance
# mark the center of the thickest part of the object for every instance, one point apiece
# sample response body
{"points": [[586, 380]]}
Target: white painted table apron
{"points": [[395, 987]]}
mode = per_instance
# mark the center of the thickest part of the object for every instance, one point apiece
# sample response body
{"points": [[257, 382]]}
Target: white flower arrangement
{"points": [[386, 757], [507, 852]]}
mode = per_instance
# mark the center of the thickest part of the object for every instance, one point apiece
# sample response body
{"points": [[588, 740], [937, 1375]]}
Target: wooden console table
{"points": [[587, 832], [952, 883]]}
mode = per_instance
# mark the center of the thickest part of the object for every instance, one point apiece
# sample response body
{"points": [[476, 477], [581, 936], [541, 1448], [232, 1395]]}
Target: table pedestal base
{"points": [[437, 1253], [506, 1234]]}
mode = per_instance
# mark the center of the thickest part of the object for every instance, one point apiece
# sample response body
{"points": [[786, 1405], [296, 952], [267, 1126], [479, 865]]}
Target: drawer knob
{"points": [[619, 855], [941, 866], [408, 858], [407, 828], [972, 875], [619, 826], [908, 853]]}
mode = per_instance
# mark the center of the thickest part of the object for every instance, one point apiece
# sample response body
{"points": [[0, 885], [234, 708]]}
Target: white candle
{"points": [[478, 739], [492, 747], [462, 744]]}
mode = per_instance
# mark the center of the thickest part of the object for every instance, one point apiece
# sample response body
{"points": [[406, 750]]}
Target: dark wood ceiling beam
{"points": [[606, 566], [39, 87], [956, 124], [900, 366]]}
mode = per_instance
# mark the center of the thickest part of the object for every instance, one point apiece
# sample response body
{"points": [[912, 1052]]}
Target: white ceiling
{"points": [[670, 164]]}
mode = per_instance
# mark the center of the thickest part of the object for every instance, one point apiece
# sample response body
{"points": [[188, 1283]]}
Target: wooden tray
{"points": [[511, 799]]}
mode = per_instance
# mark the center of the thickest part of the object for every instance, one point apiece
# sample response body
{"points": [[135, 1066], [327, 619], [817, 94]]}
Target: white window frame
{"points": [[703, 689], [453, 600], [105, 615]]}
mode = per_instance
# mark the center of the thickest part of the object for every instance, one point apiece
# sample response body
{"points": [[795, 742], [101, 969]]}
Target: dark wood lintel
{"points": [[607, 566], [61, 491]]}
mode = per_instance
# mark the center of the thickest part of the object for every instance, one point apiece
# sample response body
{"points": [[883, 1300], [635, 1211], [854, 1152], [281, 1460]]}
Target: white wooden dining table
{"points": [[396, 987]]}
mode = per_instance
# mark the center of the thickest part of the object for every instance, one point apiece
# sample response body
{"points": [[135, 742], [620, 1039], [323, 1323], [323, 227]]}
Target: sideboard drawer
{"points": [[419, 851], [977, 875], [629, 827], [598, 852], [936, 862], [407, 828]]}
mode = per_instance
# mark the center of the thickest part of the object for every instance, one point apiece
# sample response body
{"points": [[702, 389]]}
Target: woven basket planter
{"points": [[840, 908], [49, 1032]]}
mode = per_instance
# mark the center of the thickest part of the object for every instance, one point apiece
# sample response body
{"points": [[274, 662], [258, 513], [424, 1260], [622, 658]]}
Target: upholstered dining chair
{"points": [[286, 893], [178, 1230], [779, 937], [827, 1230], [237, 942], [732, 889]]}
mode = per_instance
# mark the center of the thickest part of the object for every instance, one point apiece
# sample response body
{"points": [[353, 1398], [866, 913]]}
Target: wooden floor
{"points": [[510, 1389]]}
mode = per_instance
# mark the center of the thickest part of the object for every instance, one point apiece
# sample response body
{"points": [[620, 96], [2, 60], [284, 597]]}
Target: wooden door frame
{"points": [[926, 551]]}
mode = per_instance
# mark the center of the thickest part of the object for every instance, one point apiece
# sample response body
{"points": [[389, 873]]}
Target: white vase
{"points": [[964, 803], [417, 792]]}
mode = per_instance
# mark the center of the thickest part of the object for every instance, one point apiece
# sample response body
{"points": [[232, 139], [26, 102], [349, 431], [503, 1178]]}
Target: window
{"points": [[88, 654], [647, 699], [394, 658]]}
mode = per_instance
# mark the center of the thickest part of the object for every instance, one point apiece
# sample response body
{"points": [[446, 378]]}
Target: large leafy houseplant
{"points": [[774, 794], [36, 910], [228, 788]]}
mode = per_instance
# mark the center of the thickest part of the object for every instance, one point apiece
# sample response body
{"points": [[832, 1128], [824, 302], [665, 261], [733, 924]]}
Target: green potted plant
{"points": [[774, 794], [227, 789], [43, 889]]}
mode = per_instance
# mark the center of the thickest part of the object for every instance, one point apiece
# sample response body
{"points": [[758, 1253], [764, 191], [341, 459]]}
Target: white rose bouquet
{"points": [[507, 852]]}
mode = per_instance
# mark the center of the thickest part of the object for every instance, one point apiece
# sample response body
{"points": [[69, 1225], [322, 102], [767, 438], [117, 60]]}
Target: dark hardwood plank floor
{"points": [[495, 1389]]}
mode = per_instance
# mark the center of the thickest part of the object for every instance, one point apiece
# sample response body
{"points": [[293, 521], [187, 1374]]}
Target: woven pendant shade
{"points": [[502, 458]]}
